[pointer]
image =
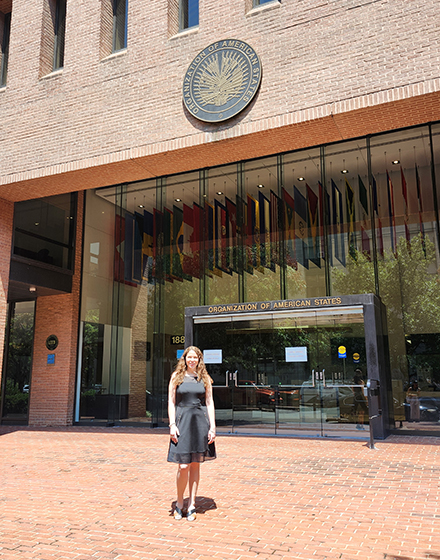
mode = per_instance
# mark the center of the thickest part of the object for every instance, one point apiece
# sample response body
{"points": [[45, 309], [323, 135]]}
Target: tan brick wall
{"points": [[329, 69], [53, 386], [6, 221]]}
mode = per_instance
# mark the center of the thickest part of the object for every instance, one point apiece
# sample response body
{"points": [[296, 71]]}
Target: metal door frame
{"points": [[376, 340]]}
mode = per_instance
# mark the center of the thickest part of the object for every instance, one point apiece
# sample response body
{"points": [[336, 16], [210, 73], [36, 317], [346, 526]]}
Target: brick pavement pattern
{"points": [[107, 493]]}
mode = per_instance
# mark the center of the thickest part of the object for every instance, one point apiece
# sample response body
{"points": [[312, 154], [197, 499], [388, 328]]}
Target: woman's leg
{"points": [[181, 482], [194, 477]]}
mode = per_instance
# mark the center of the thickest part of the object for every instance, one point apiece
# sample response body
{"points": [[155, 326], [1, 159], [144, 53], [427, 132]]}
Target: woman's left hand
{"points": [[211, 435]]}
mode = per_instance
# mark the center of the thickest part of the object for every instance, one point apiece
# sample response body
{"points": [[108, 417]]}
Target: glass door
{"points": [[289, 372], [322, 373]]}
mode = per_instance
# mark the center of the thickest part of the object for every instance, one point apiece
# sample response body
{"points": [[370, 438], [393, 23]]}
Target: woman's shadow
{"points": [[203, 505]]}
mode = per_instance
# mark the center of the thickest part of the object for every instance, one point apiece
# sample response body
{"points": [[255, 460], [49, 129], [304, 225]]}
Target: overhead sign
{"points": [[221, 80]]}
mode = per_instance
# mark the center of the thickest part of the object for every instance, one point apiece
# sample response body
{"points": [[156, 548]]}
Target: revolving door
{"points": [[295, 367]]}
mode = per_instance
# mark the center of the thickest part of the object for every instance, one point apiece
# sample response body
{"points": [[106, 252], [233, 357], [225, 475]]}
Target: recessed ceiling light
{"points": [[344, 171], [396, 161], [140, 206], [32, 289], [260, 186], [177, 200], [300, 178], [219, 192]]}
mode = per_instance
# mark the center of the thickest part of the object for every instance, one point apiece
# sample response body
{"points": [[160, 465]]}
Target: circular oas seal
{"points": [[221, 80]]}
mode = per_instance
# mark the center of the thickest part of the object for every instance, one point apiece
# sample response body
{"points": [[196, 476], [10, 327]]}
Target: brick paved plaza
{"points": [[107, 494]]}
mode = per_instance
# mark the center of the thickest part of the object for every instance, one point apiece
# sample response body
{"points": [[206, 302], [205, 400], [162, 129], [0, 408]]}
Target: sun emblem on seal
{"points": [[221, 81]]}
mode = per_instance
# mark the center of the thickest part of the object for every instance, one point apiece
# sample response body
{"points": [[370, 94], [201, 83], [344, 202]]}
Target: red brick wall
{"points": [[53, 386], [6, 222], [330, 71]]}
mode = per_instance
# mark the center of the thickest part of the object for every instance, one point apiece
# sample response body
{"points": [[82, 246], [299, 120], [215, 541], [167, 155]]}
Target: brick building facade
{"points": [[331, 72]]}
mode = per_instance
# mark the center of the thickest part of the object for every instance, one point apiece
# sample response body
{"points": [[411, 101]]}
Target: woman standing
{"points": [[192, 425]]}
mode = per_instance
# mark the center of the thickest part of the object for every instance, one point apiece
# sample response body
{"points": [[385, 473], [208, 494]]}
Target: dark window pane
{"points": [[120, 8], [5, 49], [60, 29], [44, 229], [189, 13]]}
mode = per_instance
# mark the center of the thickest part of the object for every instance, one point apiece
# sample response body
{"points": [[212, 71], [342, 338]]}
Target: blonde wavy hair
{"points": [[202, 373]]}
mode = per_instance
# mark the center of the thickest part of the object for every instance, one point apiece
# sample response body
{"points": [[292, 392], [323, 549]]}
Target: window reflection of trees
{"points": [[18, 368]]}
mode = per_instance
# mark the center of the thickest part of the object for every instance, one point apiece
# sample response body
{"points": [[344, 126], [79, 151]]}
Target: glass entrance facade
{"points": [[350, 218], [288, 372]]}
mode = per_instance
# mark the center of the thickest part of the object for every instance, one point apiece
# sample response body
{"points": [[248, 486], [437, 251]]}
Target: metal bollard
{"points": [[371, 446]]}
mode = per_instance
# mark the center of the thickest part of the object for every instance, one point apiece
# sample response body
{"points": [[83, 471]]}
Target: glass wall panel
{"points": [[262, 235], [223, 233], [350, 218], [350, 239], [18, 359], [407, 260], [44, 229], [117, 297], [303, 203], [182, 270]]}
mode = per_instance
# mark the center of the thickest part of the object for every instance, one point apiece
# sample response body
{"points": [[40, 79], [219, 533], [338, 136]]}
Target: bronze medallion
{"points": [[221, 80], [52, 342]]}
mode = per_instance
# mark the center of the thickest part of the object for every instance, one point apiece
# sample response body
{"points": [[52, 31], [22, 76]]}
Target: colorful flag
{"points": [[245, 253], [147, 247], [301, 228], [391, 215], [289, 228], [178, 238], [405, 203], [419, 202], [188, 230], [337, 223], [119, 265], [253, 232], [232, 253], [265, 230], [128, 247], [351, 217], [379, 233], [324, 213], [138, 235], [158, 246], [275, 221], [168, 235], [365, 224], [196, 240], [313, 220], [221, 237], [209, 238]]}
